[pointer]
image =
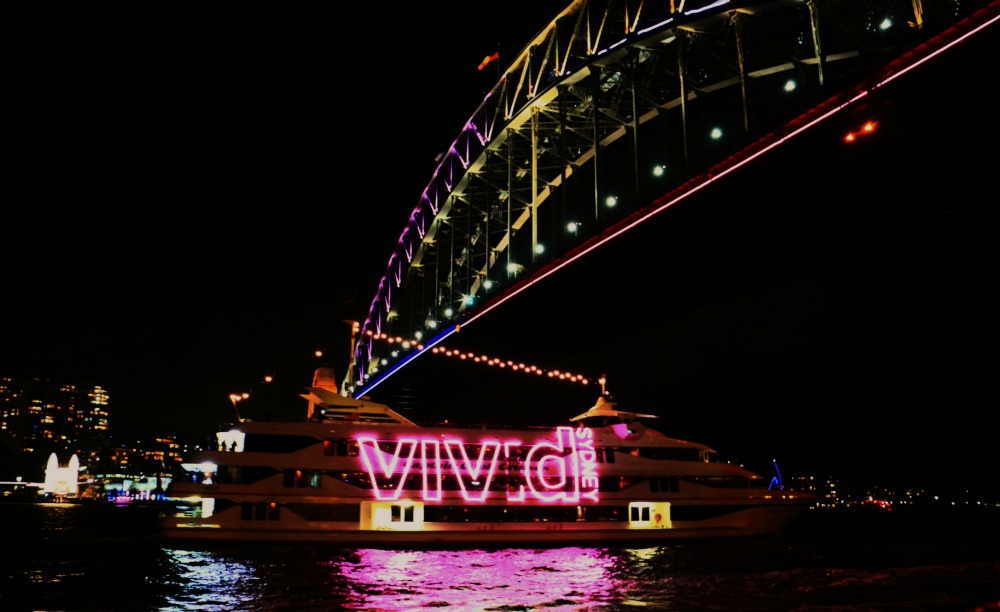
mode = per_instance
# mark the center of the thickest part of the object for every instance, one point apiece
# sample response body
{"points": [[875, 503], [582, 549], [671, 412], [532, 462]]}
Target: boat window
{"points": [[260, 511], [270, 443], [335, 447], [326, 512], [609, 484], [413, 482], [605, 455], [300, 479], [625, 482], [256, 473], [639, 513], [663, 484], [606, 513], [355, 479]]}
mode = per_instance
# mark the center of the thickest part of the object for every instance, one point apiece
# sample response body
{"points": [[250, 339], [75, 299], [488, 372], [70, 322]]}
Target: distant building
{"points": [[44, 416]]}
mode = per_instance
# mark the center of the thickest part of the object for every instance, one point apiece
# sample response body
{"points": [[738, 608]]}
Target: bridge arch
{"points": [[562, 152]]}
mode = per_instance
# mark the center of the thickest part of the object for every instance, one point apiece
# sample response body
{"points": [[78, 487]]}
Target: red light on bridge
{"points": [[867, 128]]}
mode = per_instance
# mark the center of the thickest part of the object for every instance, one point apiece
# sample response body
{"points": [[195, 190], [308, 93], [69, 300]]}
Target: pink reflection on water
{"points": [[476, 579]]}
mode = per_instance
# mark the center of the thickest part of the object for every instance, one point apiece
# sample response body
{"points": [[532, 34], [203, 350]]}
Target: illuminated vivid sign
{"points": [[559, 471]]}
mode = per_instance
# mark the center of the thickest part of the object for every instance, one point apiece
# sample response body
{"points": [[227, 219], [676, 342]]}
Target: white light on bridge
{"points": [[716, 133], [659, 170], [790, 85], [610, 201]]}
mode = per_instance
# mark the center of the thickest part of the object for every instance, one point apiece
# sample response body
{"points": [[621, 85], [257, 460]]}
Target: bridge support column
{"points": [[534, 183], [817, 45], [738, 27]]}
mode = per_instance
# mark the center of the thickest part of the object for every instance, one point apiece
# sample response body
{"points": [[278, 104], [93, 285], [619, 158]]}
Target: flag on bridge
{"points": [[488, 59]]}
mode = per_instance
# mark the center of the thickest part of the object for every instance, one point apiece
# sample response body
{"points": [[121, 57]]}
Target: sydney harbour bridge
{"points": [[612, 113]]}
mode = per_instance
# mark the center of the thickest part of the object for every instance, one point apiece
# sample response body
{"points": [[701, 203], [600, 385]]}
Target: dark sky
{"points": [[193, 203], [194, 200]]}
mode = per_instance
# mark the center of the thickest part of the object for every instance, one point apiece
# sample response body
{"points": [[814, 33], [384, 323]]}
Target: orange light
{"points": [[867, 128]]}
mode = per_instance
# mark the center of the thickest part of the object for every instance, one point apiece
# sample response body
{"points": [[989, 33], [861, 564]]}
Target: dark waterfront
{"points": [[104, 557]]}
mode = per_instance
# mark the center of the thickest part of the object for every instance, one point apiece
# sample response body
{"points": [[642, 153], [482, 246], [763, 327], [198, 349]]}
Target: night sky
{"points": [[192, 204]]}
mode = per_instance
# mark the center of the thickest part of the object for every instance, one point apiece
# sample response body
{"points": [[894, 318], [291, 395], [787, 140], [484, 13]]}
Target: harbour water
{"points": [[108, 558]]}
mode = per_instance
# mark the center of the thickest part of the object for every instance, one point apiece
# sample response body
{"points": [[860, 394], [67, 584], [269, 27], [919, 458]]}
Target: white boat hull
{"points": [[751, 522]]}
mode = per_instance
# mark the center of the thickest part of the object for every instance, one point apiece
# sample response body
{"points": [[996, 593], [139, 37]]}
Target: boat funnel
{"points": [[323, 378]]}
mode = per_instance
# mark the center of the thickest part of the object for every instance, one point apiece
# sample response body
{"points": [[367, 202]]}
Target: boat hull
{"points": [[748, 523]]}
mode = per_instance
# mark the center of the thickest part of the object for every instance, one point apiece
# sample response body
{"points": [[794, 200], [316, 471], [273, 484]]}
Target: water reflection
{"points": [[565, 578], [51, 555], [210, 581], [528, 578]]}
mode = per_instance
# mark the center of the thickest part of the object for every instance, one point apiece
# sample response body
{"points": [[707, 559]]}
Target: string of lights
{"points": [[516, 367], [497, 362], [483, 359]]}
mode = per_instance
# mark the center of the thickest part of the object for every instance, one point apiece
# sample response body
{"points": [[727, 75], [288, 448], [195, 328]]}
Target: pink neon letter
{"points": [[432, 490], [550, 469], [382, 478], [464, 470]]}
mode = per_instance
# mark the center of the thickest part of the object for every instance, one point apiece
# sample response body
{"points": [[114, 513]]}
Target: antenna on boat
{"points": [[238, 397], [603, 380]]}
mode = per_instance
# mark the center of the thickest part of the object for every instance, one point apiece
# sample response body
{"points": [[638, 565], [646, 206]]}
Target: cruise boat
{"points": [[357, 473]]}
